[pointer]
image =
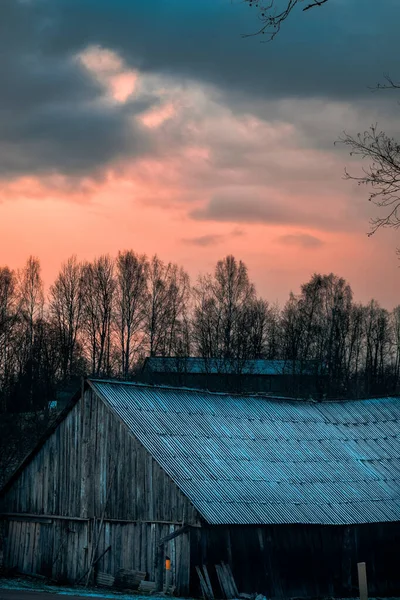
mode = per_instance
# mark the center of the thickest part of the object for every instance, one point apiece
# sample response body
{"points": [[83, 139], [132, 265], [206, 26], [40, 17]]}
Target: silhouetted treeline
{"points": [[102, 318]]}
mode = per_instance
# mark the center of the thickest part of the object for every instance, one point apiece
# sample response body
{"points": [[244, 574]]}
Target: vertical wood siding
{"points": [[92, 465], [93, 468], [56, 550]]}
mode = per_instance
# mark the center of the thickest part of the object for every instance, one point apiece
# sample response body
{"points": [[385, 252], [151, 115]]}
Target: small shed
{"points": [[283, 377], [290, 494]]}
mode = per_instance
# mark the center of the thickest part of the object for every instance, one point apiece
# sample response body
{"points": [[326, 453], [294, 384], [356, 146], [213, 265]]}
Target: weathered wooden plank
{"points": [[105, 580], [208, 581], [174, 534], [203, 584], [231, 580], [147, 586]]}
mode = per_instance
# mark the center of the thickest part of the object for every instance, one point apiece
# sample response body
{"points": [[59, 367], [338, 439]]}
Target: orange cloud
{"points": [[109, 69]]}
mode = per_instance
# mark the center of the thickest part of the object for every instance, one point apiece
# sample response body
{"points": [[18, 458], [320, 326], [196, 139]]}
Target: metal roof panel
{"points": [[252, 460]]}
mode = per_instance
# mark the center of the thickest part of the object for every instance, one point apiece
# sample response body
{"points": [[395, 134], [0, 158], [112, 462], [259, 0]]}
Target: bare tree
{"points": [[273, 13], [292, 330], [315, 327], [221, 302], [354, 348], [233, 291], [130, 301], [66, 310], [396, 341], [166, 317], [177, 341], [98, 293], [30, 308], [378, 347], [258, 330], [207, 319], [8, 318], [31, 295]]}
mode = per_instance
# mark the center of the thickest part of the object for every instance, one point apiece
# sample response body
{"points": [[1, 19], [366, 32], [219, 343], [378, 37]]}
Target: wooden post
{"points": [[362, 581], [160, 568], [160, 557]]}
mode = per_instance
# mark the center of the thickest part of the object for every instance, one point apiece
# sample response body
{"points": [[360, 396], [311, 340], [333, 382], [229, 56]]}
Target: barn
{"points": [[290, 494], [274, 377]]}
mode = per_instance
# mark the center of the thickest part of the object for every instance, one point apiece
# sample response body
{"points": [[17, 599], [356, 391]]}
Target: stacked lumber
{"points": [[126, 579], [147, 586], [104, 580]]}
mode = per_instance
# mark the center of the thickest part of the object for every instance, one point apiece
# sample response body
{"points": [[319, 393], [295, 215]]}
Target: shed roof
{"points": [[197, 365], [250, 460]]}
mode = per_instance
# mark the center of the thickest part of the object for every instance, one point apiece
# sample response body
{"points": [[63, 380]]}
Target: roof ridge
{"points": [[241, 394], [198, 390]]}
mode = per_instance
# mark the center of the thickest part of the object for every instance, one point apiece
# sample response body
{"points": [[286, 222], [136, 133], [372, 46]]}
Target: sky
{"points": [[156, 126]]}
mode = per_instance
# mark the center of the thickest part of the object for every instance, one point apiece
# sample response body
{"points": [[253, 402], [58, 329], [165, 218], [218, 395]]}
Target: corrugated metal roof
{"points": [[249, 460], [194, 365]]}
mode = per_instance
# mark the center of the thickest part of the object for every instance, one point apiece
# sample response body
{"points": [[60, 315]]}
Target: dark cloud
{"points": [[334, 52], [237, 208], [74, 141], [303, 240], [51, 115]]}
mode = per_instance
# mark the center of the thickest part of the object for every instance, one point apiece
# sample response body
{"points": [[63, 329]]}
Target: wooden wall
{"points": [[92, 469], [92, 465], [55, 549], [60, 549], [286, 561]]}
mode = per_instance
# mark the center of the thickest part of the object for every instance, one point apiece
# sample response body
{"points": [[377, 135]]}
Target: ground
{"points": [[29, 589]]}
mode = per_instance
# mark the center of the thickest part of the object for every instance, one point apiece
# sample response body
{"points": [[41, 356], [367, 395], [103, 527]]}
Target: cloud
{"points": [[213, 239], [201, 40], [302, 240], [61, 113], [109, 69], [193, 117], [204, 240], [238, 207]]}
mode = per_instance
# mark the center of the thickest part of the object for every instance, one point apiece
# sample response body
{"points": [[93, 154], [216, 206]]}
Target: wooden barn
{"points": [[290, 494], [273, 377]]}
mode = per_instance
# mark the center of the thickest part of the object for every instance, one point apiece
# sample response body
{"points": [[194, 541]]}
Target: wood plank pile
{"points": [[126, 579], [104, 580], [150, 586], [147, 586], [225, 578]]}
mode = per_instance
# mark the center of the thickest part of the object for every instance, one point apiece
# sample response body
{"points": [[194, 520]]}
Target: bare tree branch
{"points": [[389, 85], [382, 174], [273, 18]]}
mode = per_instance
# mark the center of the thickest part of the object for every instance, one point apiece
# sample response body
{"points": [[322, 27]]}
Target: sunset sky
{"points": [[156, 126]]}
